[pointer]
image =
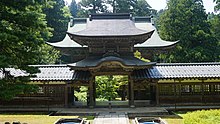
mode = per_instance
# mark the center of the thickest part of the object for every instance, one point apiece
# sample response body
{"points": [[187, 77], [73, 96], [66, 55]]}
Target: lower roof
{"points": [[159, 71], [179, 70], [124, 61]]}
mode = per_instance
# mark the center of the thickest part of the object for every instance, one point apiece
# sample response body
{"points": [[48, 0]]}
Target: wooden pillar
{"points": [[123, 93], [175, 94], [139, 92], [72, 96], [66, 96], [94, 91], [91, 92], [157, 94], [202, 95], [131, 92]]}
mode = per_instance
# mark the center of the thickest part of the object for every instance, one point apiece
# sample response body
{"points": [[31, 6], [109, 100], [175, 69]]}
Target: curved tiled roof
{"points": [[53, 73], [67, 42], [95, 61], [159, 71], [180, 70], [141, 23], [155, 41]]}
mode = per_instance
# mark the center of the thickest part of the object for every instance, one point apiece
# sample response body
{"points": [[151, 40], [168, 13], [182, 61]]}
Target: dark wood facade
{"points": [[146, 93]]}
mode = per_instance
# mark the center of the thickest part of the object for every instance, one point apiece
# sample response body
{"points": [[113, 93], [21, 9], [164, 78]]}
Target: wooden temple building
{"points": [[104, 44]]}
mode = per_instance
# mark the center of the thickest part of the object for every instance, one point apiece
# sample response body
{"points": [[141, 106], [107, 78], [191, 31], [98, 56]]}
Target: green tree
{"points": [[107, 86], [215, 24], [122, 6], [73, 8], [94, 6], [142, 8], [82, 13], [217, 7], [48, 55], [186, 20], [57, 16], [23, 31]]}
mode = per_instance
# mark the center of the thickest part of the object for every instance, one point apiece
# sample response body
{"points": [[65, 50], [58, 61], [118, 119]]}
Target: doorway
{"points": [[111, 91]]}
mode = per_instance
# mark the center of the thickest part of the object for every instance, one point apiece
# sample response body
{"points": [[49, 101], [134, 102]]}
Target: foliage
{"points": [[215, 24], [136, 7], [186, 20], [123, 6], [49, 54], [81, 94], [23, 32], [82, 13], [94, 6], [217, 7], [10, 87], [142, 8], [137, 54], [73, 8], [107, 86], [57, 16], [202, 117]]}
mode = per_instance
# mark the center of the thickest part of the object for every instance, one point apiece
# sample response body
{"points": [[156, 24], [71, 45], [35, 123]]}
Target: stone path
{"points": [[111, 118]]}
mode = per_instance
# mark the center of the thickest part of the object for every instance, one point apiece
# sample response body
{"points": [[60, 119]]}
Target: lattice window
{"points": [[197, 88], [40, 90], [206, 88], [217, 88], [167, 89], [185, 88]]}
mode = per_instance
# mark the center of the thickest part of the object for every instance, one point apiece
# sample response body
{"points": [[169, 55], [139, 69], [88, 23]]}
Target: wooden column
{"points": [[131, 92], [91, 92], [66, 96], [157, 94], [94, 91], [202, 94], [73, 96]]}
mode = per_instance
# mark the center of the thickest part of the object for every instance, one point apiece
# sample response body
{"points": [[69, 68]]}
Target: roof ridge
{"points": [[50, 65], [184, 64]]}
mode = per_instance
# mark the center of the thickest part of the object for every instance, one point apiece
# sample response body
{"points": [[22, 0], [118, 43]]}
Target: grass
{"points": [[173, 121], [202, 117], [196, 117], [32, 119]]}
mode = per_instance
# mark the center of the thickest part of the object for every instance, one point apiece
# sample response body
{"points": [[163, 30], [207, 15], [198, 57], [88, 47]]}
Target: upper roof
{"points": [[155, 41], [79, 24], [101, 25], [141, 23], [110, 27]]}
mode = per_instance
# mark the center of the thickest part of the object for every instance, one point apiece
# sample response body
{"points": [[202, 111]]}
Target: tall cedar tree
{"points": [[217, 7], [23, 32], [186, 20], [94, 6], [73, 8], [57, 16], [122, 6]]}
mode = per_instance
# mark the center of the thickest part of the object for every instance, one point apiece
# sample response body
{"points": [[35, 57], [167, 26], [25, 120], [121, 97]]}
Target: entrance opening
{"points": [[111, 91], [80, 96]]}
